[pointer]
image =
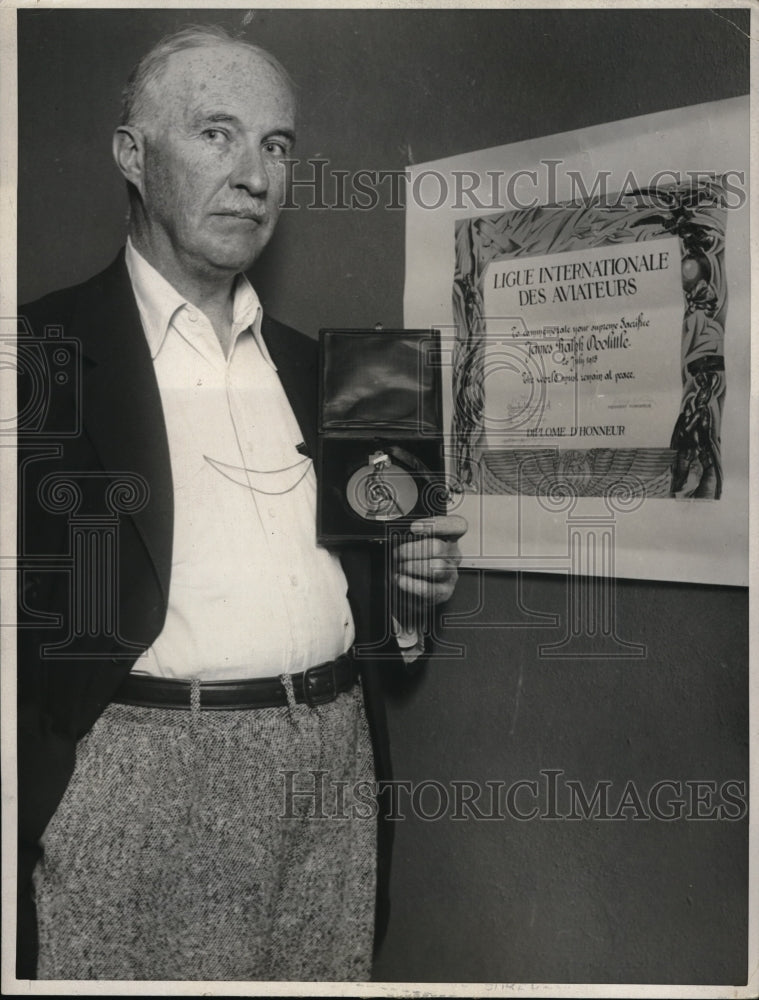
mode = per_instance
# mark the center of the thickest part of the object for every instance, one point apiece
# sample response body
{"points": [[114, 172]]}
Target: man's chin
{"points": [[238, 258]]}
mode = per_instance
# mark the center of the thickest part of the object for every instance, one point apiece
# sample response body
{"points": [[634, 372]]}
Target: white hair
{"points": [[153, 65]]}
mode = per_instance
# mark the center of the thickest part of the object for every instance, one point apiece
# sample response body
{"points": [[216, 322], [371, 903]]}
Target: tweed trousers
{"points": [[213, 845]]}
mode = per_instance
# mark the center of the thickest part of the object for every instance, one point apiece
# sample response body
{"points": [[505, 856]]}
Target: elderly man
{"points": [[155, 839]]}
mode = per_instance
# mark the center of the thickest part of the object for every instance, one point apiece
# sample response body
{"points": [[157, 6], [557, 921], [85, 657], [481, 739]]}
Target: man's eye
{"points": [[276, 148], [216, 135]]}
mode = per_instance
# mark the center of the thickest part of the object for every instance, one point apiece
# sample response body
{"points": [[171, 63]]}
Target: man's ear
{"points": [[129, 153]]}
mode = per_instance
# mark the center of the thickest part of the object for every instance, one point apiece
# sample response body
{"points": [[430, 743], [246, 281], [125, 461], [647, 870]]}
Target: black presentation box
{"points": [[380, 462]]}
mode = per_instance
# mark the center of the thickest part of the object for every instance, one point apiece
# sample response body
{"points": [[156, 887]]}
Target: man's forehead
{"points": [[221, 73]]}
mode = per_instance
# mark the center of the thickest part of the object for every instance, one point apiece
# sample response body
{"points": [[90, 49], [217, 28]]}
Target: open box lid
{"points": [[387, 380]]}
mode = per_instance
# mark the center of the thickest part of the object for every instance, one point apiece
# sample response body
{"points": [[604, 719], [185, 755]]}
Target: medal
{"points": [[381, 490]]}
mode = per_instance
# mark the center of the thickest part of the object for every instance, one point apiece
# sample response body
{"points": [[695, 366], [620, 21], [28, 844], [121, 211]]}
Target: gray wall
{"points": [[499, 900]]}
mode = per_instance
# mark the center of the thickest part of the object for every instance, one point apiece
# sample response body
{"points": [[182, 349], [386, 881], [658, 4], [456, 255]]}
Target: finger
{"points": [[424, 590], [426, 548], [443, 526], [449, 553], [428, 569]]}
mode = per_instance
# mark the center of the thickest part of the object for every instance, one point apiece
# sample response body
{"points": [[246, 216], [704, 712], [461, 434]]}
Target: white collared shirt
{"points": [[251, 593]]}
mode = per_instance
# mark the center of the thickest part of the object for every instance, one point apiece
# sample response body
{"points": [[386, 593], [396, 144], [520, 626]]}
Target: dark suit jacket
{"points": [[78, 422]]}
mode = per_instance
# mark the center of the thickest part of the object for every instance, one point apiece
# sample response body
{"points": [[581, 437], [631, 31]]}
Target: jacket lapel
{"points": [[121, 404], [296, 359]]}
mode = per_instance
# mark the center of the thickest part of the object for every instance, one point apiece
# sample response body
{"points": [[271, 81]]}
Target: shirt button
{"points": [[192, 316]]}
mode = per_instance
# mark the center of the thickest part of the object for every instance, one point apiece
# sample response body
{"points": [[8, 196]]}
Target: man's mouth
{"points": [[244, 214]]}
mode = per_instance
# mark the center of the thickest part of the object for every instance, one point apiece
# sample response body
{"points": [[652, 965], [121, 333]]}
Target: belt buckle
{"points": [[311, 698]]}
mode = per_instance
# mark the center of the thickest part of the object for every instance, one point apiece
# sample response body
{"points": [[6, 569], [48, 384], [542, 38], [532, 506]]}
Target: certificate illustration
{"points": [[590, 346]]}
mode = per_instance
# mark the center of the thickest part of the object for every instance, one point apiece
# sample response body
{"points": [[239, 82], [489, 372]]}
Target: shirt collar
{"points": [[158, 302]]}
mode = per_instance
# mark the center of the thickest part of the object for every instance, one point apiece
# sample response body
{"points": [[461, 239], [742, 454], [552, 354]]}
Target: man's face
{"points": [[218, 123]]}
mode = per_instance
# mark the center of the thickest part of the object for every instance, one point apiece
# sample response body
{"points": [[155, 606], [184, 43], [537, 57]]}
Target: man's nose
{"points": [[250, 171]]}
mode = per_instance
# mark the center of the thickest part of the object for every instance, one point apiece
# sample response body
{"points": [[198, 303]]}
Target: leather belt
{"points": [[315, 686]]}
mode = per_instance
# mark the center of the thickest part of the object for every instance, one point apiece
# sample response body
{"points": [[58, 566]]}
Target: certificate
{"points": [[592, 291], [590, 347]]}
